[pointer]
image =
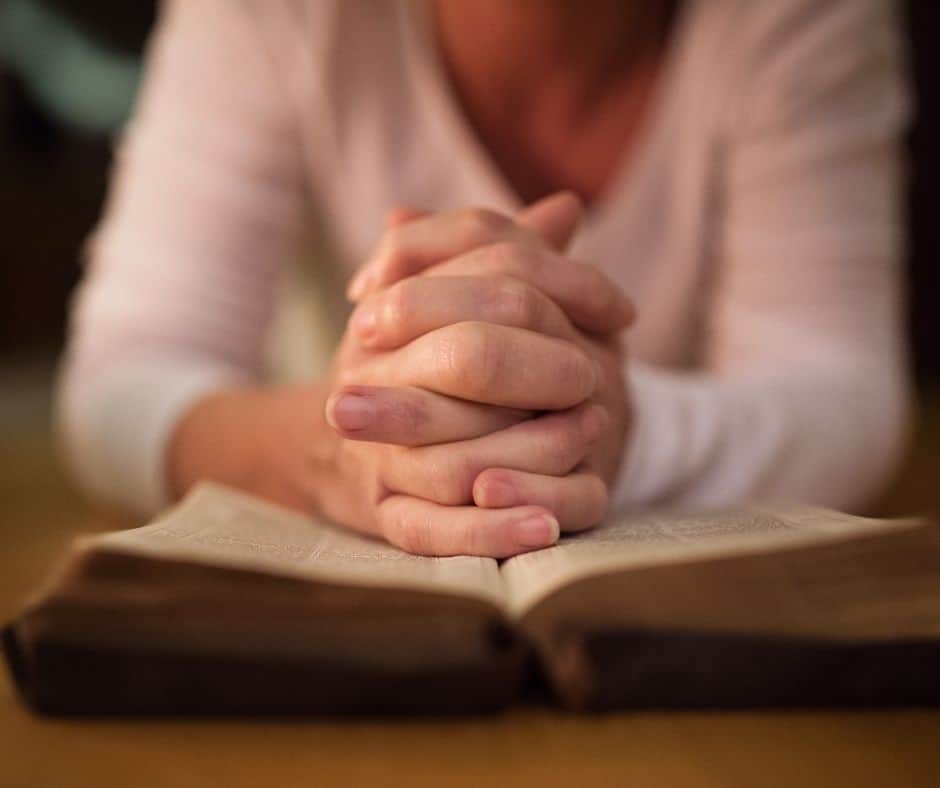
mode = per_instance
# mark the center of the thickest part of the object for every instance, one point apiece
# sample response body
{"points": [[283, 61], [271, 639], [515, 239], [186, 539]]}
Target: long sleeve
{"points": [[802, 394], [205, 202]]}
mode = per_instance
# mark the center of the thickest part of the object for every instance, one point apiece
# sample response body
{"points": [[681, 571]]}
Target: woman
{"points": [[738, 164]]}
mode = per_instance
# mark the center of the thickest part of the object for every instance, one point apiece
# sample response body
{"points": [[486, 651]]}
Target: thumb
{"points": [[555, 218]]}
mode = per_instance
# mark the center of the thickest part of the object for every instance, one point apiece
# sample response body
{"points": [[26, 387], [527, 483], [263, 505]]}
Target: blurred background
{"points": [[68, 75]]}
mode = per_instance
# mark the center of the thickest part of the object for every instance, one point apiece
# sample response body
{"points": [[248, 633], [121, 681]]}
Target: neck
{"points": [[507, 43]]}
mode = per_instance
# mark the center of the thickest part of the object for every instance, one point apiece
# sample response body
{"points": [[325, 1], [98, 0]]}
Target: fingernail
{"points": [[350, 412], [540, 531], [595, 420], [365, 321], [497, 494]]}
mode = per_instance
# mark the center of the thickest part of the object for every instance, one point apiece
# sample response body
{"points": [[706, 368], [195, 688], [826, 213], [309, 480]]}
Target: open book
{"points": [[230, 604]]}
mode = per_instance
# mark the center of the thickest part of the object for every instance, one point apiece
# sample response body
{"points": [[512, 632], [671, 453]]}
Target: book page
{"points": [[221, 527], [634, 540]]}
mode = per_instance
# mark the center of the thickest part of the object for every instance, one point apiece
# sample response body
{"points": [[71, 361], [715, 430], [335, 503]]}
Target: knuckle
{"points": [[530, 260], [396, 305], [486, 359], [571, 441], [471, 359], [409, 413], [469, 538], [483, 222], [598, 293], [516, 302], [578, 370], [563, 445], [393, 248], [412, 535], [508, 257], [605, 294], [448, 478], [389, 242]]}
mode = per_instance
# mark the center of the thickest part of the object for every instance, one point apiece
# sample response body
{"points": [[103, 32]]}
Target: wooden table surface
{"points": [[526, 746]]}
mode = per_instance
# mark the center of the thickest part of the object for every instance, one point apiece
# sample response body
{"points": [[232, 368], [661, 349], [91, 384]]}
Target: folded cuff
{"points": [[117, 426]]}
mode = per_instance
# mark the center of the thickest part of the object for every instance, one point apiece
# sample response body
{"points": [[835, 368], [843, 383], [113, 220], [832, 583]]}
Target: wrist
{"points": [[274, 443]]}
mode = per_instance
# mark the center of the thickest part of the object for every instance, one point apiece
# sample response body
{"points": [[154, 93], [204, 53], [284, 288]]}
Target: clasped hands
{"points": [[478, 391]]}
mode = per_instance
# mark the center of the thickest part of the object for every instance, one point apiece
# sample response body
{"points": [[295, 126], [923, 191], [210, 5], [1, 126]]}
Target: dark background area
{"points": [[924, 145], [54, 179]]}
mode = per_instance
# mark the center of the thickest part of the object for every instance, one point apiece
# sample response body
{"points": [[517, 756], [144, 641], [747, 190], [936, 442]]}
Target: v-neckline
{"points": [[424, 51]]}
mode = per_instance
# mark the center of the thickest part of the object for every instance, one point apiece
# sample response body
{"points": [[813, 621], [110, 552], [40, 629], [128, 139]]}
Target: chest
{"points": [[557, 139], [398, 135]]}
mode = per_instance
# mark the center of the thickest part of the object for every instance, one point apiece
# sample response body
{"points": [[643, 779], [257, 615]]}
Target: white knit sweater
{"points": [[757, 227]]}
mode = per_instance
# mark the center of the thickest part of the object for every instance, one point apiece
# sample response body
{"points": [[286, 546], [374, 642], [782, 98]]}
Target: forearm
{"points": [[272, 442], [206, 204], [140, 434], [829, 437]]}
